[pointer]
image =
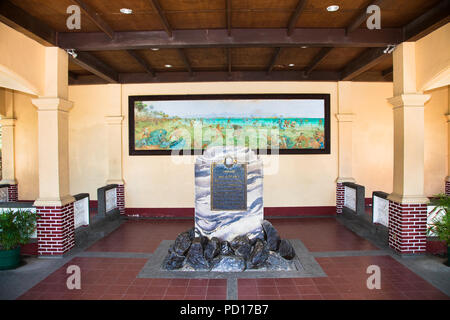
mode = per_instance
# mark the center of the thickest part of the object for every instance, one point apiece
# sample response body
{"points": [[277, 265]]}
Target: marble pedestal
{"points": [[226, 225]]}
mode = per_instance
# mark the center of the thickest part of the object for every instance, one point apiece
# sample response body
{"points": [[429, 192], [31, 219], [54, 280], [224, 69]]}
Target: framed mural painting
{"points": [[266, 123]]}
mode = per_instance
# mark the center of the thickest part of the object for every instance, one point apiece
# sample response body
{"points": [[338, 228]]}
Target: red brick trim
{"points": [[121, 198], [268, 211], [339, 197], [12, 193], [447, 188], [407, 227], [55, 229]]}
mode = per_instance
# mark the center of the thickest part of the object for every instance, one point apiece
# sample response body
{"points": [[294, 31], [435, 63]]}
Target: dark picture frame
{"points": [[131, 119]]}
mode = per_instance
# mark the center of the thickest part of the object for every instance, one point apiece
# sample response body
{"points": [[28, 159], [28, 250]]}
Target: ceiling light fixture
{"points": [[155, 49], [126, 11], [333, 8], [389, 49], [168, 65], [291, 64], [304, 47]]}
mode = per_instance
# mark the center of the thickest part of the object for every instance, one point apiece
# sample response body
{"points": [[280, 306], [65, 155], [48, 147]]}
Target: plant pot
{"points": [[9, 259]]}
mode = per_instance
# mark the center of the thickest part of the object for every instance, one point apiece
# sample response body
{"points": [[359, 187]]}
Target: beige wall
{"points": [[372, 135], [306, 180], [433, 59], [435, 141], [21, 62], [302, 180], [26, 146]]}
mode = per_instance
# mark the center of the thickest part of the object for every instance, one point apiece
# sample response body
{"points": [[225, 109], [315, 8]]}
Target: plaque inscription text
{"points": [[228, 187]]}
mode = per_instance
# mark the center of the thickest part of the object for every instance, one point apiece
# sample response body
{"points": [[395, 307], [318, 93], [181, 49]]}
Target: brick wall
{"points": [[339, 197], [447, 188], [407, 227], [12, 193], [55, 229], [121, 198]]}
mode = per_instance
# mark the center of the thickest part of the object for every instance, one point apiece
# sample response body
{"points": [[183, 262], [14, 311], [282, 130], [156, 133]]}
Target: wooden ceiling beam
{"points": [[162, 16], [295, 15], [364, 62], [185, 61], [229, 13], [95, 18], [387, 72], [317, 59], [206, 76], [20, 20], [362, 16], [319, 37], [429, 21], [96, 66], [229, 62], [274, 59], [141, 61]]}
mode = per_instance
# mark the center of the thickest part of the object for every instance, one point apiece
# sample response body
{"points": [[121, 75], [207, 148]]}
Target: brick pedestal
{"points": [[55, 230], [121, 198], [447, 188], [407, 227], [339, 197], [12, 193]]}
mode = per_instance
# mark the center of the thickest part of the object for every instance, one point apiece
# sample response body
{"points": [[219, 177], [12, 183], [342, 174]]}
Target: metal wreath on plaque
{"points": [[228, 185]]}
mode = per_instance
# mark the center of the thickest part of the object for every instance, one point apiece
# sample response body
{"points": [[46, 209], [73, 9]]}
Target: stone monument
{"points": [[229, 193], [230, 233]]}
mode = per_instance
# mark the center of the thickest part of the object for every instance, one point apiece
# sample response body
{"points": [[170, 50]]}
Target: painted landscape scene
{"points": [[258, 124]]}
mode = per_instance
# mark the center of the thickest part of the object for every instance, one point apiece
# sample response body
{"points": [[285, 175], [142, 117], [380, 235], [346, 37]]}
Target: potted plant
{"points": [[16, 228], [440, 225]]}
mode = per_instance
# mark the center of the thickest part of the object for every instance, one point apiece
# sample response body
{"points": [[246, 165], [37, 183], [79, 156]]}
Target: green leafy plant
{"points": [[441, 225], [16, 228]]}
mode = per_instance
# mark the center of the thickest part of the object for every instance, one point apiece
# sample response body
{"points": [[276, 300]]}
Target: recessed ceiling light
{"points": [[333, 8], [304, 47], [291, 64], [126, 11], [155, 49], [168, 65]]}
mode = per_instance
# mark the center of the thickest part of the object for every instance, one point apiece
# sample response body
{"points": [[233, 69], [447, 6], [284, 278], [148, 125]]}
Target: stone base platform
{"points": [[305, 267]]}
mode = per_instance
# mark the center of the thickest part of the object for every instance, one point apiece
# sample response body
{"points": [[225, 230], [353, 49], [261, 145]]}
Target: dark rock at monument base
{"points": [[286, 250], [191, 233], [228, 264], [212, 248], [275, 262], [195, 257], [173, 260], [225, 248], [271, 235], [259, 254], [182, 243], [241, 246]]}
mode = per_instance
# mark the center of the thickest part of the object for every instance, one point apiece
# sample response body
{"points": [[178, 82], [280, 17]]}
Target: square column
{"points": [[407, 203], [345, 119], [55, 204], [8, 123], [114, 130]]}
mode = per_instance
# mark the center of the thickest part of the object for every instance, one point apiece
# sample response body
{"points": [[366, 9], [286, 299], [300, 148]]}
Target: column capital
{"points": [[111, 120], [408, 199], [345, 117], [409, 100], [8, 122], [54, 202], [52, 104], [345, 179]]}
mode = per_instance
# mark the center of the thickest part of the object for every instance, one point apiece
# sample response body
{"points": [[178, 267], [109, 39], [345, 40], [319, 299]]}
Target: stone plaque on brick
{"points": [[350, 198], [111, 199], [4, 194]]}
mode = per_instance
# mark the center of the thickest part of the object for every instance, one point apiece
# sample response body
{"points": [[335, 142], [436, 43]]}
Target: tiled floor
{"points": [[116, 278]]}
